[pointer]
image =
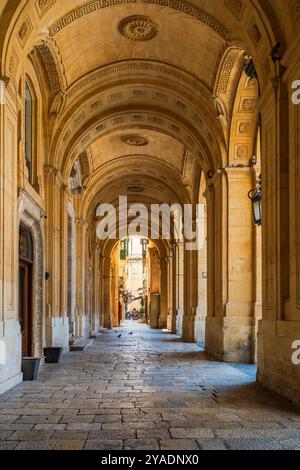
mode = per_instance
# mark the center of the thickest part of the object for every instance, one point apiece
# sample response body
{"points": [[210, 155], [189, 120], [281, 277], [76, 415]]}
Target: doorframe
{"points": [[29, 319], [31, 216]]}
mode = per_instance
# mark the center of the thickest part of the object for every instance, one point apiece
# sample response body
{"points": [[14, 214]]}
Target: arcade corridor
{"points": [[145, 390]]}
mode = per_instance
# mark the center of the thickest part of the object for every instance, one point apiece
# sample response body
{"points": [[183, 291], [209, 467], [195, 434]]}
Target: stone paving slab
{"points": [[147, 391]]}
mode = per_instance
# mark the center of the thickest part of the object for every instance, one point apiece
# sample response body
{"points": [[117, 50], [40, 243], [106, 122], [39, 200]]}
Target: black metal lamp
{"points": [[256, 198]]}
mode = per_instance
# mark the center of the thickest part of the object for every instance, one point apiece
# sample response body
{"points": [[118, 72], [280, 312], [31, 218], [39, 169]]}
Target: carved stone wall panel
{"points": [[237, 8], [24, 31], [295, 12], [13, 62], [43, 6]]}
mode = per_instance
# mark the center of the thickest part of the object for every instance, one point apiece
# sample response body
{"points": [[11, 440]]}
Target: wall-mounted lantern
{"points": [[256, 198]]}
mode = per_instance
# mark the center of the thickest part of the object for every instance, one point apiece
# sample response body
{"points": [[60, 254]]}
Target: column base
{"points": [[200, 324], [230, 339], [276, 370], [96, 327], [169, 320], [179, 322], [154, 311], [82, 326], [57, 332], [10, 355], [106, 320], [194, 326]]}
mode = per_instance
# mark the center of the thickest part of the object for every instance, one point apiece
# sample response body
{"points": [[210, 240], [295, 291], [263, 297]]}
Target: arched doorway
{"points": [[25, 289]]}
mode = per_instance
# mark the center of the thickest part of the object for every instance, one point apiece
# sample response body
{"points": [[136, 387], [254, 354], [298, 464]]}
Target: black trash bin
{"points": [[30, 368], [52, 355]]}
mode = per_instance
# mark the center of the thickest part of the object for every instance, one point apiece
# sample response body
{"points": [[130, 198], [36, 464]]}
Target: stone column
{"points": [[202, 277], [114, 273], [10, 339], [155, 277], [57, 324], [190, 294], [163, 314], [81, 319], [107, 314], [95, 316], [280, 325], [170, 290], [230, 266], [179, 287]]}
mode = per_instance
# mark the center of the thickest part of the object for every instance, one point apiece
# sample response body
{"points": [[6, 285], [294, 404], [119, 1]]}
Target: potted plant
{"points": [[52, 355], [30, 367]]}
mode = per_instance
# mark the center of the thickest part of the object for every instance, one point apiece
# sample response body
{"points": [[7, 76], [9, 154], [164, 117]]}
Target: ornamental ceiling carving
{"points": [[138, 28]]}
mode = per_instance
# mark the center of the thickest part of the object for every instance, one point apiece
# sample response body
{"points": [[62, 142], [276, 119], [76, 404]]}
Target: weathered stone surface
{"points": [[71, 444], [211, 444], [185, 417], [104, 444], [178, 444]]}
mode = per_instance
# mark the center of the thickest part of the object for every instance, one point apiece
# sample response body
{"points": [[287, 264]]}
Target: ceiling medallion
{"points": [[136, 140], [135, 189], [138, 28]]}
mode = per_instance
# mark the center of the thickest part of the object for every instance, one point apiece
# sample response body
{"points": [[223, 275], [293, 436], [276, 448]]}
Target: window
{"points": [[29, 132]]}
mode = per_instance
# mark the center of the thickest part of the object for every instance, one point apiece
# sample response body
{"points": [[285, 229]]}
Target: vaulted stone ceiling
{"points": [[145, 69], [149, 144], [166, 35]]}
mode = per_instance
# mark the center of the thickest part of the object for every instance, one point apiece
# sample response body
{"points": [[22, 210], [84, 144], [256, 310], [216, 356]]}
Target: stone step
{"points": [[81, 344]]}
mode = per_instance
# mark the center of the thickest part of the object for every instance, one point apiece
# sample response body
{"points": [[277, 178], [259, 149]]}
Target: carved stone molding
{"points": [[180, 6], [225, 69], [50, 66], [137, 67]]}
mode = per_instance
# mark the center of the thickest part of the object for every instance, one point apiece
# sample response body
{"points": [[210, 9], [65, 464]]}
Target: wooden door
{"points": [[25, 306]]}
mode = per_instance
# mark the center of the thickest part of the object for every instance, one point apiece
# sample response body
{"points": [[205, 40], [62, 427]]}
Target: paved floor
{"points": [[147, 391]]}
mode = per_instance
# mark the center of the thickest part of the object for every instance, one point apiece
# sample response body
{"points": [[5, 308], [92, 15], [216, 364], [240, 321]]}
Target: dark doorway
{"points": [[25, 290]]}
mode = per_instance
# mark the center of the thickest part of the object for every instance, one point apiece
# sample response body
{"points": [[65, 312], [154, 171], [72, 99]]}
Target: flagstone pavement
{"points": [[145, 390]]}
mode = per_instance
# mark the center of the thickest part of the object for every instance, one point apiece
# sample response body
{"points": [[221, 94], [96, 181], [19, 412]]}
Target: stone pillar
{"points": [[10, 339], [107, 314], [81, 318], [95, 316], [170, 292], [155, 281], [57, 324], [114, 272], [179, 287], [163, 311], [190, 294], [173, 282], [202, 277], [230, 266], [280, 325]]}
